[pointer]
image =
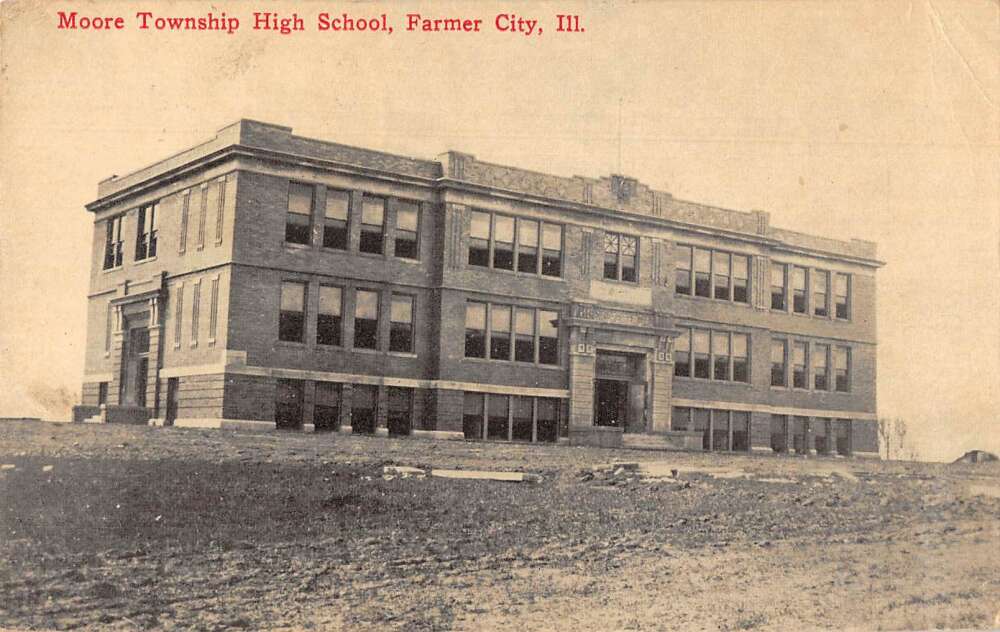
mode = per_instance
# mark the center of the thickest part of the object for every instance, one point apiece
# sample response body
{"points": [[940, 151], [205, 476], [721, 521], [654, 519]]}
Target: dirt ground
{"points": [[131, 527]]}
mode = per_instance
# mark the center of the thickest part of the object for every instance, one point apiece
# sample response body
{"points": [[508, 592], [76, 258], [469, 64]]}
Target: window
{"points": [[288, 404], [720, 351], [620, 257], [843, 432], [741, 279], [700, 351], [820, 292], [720, 275], [503, 242], [524, 335], [338, 205], [701, 422], [842, 290], [779, 433], [547, 420], [527, 246], [820, 358], [779, 355], [292, 317], [475, 330], [366, 320], [779, 278], [552, 237], [113, 243], [702, 272], [799, 365], [326, 413], [328, 318], [473, 412], [522, 420], [298, 222], [799, 290], [407, 221], [680, 418], [740, 431], [499, 332], [145, 240], [841, 366], [372, 225], [400, 414], [364, 405], [682, 354], [682, 270], [401, 324], [741, 366], [498, 407], [479, 239], [548, 337]]}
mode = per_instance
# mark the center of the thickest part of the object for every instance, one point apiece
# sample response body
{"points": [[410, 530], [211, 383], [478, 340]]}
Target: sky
{"points": [[844, 119]]}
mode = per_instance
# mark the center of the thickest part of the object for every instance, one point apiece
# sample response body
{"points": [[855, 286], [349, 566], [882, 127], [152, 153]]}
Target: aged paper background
{"points": [[843, 119]]}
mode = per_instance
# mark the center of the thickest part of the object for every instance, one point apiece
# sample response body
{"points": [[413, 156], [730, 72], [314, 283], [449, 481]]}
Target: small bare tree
{"points": [[893, 442]]}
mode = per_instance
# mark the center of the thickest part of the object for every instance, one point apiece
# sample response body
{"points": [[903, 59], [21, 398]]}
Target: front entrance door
{"points": [[611, 403], [135, 365]]}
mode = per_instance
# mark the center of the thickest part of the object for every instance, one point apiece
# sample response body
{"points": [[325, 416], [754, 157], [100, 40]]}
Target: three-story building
{"points": [[265, 280]]}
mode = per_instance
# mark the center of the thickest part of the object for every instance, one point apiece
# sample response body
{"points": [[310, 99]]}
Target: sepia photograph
{"points": [[545, 315]]}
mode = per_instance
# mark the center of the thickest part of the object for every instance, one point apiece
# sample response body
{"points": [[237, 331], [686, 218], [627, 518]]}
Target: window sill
{"points": [[620, 282], [690, 297], [139, 262], [114, 269], [366, 350], [516, 273], [290, 344], [514, 363], [704, 380], [402, 354], [291, 245]]}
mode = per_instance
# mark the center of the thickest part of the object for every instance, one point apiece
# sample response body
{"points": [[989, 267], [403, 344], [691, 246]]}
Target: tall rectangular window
{"points": [[682, 354], [547, 419], [820, 358], [407, 222], [298, 221], [779, 280], [527, 246], [498, 407], [372, 225], [621, 255], [700, 348], [479, 239], [366, 320], [741, 279], [401, 324], [682, 270], [842, 291], [799, 367], [720, 274], [720, 353], [779, 357], [178, 314], [329, 322], [473, 412], [799, 298], [503, 242], [220, 209], [113, 243], [779, 433], [289, 397], [552, 238], [364, 408], [292, 315], [335, 218], [741, 431], [842, 367], [702, 272], [820, 292], [499, 332], [475, 330], [399, 415], [202, 215], [145, 239], [185, 206], [548, 337], [326, 412], [524, 335], [741, 364], [522, 419]]}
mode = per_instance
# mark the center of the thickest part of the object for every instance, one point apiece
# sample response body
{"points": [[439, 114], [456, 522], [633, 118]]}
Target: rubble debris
{"points": [[390, 472], [480, 475]]}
